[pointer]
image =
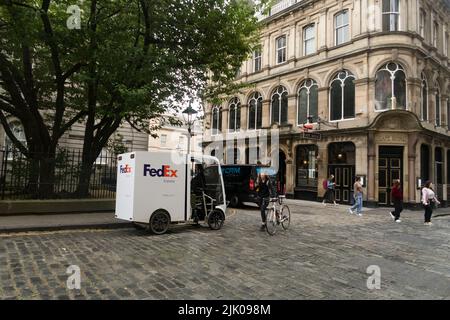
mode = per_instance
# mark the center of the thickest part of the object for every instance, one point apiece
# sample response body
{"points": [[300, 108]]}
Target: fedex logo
{"points": [[125, 169], [165, 171]]}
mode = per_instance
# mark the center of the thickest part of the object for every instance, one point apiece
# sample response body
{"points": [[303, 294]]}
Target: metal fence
{"points": [[17, 172]]}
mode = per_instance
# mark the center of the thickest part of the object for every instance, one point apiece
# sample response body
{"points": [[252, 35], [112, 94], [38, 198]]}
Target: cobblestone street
{"points": [[324, 255]]}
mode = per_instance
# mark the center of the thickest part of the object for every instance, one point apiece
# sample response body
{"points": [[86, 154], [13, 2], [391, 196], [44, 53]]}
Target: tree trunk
{"points": [[85, 175], [46, 174]]}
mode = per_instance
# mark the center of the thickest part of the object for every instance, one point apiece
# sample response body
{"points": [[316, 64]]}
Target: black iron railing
{"points": [[19, 176]]}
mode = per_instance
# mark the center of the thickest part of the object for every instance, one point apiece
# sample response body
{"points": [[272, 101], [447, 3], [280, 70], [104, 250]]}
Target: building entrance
{"points": [[390, 168]]}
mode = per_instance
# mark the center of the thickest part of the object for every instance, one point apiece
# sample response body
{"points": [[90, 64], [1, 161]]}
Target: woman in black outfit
{"points": [[264, 191]]}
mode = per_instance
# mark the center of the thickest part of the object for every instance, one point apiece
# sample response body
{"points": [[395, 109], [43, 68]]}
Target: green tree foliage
{"points": [[127, 62]]}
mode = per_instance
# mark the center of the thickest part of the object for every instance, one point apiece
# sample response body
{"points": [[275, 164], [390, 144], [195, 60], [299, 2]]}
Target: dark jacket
{"points": [[397, 194], [264, 190]]}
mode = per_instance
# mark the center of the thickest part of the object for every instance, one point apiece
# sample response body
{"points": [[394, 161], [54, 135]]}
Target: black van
{"points": [[240, 182]]}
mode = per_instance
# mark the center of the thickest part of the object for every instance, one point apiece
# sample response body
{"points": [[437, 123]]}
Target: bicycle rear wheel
{"points": [[285, 217], [271, 221]]}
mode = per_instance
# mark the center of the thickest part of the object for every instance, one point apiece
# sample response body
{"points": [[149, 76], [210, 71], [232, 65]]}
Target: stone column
{"points": [[322, 31], [371, 155], [414, 95], [292, 110], [266, 113], [432, 105], [290, 176], [244, 117], [323, 103], [413, 138], [265, 53], [322, 167]]}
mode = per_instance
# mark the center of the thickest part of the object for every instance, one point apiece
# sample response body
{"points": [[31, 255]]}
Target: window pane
{"points": [[313, 103], [214, 121], [284, 108], [349, 99], [400, 89], [310, 47], [238, 116], [336, 101], [232, 118], [345, 17], [424, 163], [386, 5], [346, 35], [339, 35], [251, 114], [438, 109], [394, 5], [386, 22], [448, 120], [394, 22], [383, 89], [424, 102], [220, 119], [275, 109], [302, 105], [259, 114]]}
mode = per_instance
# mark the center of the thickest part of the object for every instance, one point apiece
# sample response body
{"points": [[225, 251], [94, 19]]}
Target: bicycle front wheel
{"points": [[285, 217], [271, 221]]}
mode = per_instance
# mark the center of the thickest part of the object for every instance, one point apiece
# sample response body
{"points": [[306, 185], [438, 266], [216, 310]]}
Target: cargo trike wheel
{"points": [[216, 219], [159, 222]]}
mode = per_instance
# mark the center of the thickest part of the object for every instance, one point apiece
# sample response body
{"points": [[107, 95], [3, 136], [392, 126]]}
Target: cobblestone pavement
{"points": [[324, 255]]}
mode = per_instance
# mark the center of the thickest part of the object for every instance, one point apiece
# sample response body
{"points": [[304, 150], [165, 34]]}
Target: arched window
{"points": [[342, 96], [216, 120], [438, 107], [307, 101], [235, 115], [390, 87], [391, 15], [424, 99], [280, 106], [255, 111]]}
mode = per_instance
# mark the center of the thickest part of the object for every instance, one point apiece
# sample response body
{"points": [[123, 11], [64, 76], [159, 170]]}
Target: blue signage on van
{"points": [[232, 170]]}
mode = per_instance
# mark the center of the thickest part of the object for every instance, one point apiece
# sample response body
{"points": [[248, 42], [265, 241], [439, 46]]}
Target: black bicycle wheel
{"points": [[285, 217], [271, 221]]}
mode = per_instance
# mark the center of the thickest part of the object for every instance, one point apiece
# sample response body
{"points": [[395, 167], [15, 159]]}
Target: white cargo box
{"points": [[150, 181]]}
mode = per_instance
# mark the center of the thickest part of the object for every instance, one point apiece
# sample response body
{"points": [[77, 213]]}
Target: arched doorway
{"points": [[341, 164]]}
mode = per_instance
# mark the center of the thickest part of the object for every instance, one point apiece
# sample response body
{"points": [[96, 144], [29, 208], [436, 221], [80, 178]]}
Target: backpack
{"points": [[325, 184]]}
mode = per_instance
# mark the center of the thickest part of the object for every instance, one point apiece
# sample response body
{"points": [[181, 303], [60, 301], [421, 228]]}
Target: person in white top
{"points": [[428, 197]]}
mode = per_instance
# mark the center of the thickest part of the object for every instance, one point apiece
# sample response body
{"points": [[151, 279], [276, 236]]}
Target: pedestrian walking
{"points": [[329, 193], [428, 200], [264, 187], [358, 196], [397, 199]]}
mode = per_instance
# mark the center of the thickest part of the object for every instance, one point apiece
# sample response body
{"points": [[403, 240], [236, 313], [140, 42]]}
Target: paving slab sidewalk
{"points": [[50, 222]]}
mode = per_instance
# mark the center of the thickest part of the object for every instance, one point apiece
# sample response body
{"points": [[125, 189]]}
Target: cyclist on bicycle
{"points": [[264, 193]]}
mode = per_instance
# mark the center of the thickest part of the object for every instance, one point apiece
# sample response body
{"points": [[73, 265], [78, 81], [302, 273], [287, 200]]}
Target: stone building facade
{"points": [[373, 78]]}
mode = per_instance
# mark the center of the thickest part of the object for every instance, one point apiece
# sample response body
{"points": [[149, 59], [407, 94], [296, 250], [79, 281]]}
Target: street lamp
{"points": [[189, 118]]}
